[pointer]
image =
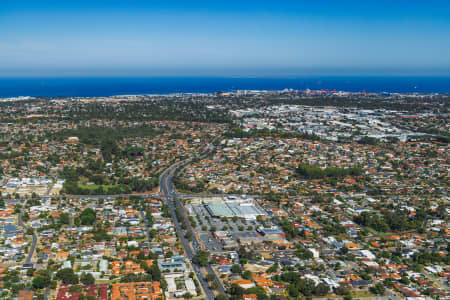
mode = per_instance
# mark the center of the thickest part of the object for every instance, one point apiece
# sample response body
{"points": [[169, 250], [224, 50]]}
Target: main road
{"points": [[179, 195], [167, 192], [34, 242]]}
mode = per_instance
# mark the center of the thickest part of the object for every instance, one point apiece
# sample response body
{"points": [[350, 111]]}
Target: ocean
{"points": [[92, 87]]}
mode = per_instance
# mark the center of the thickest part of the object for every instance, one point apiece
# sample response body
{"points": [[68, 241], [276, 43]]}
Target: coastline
{"points": [[120, 86]]}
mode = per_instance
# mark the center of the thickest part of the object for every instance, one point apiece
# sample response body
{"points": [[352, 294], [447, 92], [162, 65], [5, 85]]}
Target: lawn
{"points": [[94, 186], [381, 234]]}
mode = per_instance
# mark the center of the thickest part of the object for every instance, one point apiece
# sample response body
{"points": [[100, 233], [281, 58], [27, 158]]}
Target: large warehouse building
{"points": [[230, 207]]}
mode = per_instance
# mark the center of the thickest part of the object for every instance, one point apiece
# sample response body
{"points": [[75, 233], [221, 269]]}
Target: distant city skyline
{"points": [[224, 38]]}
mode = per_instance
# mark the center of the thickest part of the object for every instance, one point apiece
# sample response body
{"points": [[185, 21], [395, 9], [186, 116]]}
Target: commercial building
{"points": [[246, 209]]}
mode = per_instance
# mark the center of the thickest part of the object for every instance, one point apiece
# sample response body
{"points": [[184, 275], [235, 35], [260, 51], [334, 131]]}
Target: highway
{"points": [[34, 242], [167, 192]]}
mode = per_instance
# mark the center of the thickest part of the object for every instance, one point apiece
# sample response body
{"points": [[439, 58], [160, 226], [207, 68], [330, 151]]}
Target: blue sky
{"points": [[224, 38]]}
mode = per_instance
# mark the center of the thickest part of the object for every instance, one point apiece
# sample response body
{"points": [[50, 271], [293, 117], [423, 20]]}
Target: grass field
{"points": [[94, 186]]}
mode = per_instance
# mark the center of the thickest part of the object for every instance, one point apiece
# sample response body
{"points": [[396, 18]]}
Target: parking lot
{"points": [[236, 228]]}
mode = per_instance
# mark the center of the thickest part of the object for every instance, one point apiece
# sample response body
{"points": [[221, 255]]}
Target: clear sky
{"points": [[224, 38]]}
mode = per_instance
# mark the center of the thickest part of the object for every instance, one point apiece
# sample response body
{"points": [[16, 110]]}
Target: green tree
{"points": [[210, 277], [236, 269], [343, 289], [155, 272], [25, 217], [87, 279], [378, 289], [236, 291], [201, 258], [64, 218], [221, 297], [67, 276], [247, 275], [348, 297], [87, 216], [321, 289], [214, 285], [38, 283], [293, 291]]}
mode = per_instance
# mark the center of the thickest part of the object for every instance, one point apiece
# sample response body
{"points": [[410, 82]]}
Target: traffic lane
{"points": [[208, 267], [188, 250], [34, 236]]}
